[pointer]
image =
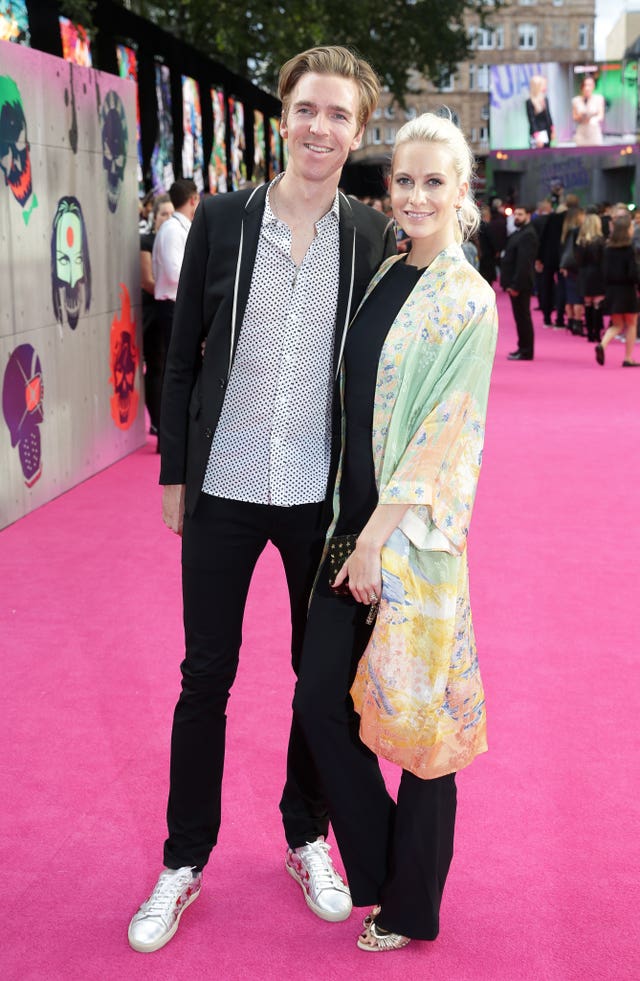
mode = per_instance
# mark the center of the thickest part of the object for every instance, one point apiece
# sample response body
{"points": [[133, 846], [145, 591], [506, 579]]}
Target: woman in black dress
{"points": [[538, 114], [621, 298], [589, 252]]}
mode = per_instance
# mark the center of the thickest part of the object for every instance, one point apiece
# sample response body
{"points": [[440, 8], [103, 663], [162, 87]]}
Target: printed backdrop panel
{"points": [[70, 318]]}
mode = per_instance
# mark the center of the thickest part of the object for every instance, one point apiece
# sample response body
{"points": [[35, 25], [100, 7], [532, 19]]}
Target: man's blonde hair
{"points": [[331, 60]]}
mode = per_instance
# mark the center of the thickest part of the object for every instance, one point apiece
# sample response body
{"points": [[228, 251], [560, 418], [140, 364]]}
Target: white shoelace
{"points": [[168, 887], [316, 857]]}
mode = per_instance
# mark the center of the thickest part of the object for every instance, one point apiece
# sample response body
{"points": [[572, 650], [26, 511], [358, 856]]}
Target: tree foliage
{"points": [[398, 37]]}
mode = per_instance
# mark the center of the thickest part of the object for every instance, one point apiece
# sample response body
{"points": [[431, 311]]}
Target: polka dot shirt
{"points": [[272, 442]]}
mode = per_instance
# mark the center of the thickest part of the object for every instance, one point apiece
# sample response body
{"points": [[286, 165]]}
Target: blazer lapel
{"points": [[249, 236], [347, 274]]}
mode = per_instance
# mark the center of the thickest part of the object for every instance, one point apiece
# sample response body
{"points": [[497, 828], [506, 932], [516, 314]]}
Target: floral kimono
{"points": [[418, 689]]}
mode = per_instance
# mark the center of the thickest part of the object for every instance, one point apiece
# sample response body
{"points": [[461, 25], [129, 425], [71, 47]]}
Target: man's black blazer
{"points": [[212, 296]]}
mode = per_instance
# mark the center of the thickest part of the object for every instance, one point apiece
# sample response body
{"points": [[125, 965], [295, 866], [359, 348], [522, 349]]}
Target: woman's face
{"points": [[164, 211], [425, 193], [588, 86]]}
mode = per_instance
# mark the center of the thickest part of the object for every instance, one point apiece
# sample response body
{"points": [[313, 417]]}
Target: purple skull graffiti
{"points": [[114, 146], [22, 395]]}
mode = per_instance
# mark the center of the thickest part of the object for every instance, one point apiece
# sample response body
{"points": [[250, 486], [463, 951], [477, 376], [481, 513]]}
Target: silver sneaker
{"points": [[325, 891], [157, 920]]}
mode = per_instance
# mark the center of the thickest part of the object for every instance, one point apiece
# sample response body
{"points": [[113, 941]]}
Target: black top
{"points": [[367, 334], [146, 245], [621, 279], [539, 121], [589, 262]]}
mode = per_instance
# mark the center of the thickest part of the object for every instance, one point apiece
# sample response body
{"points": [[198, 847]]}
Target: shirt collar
{"points": [[333, 214], [182, 219]]}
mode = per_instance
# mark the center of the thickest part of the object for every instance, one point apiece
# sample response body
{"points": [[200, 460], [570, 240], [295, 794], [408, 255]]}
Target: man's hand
{"points": [[512, 292], [173, 506]]}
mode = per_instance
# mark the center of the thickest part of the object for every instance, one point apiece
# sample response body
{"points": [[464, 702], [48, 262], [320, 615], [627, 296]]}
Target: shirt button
{"points": [[208, 433], [221, 382]]}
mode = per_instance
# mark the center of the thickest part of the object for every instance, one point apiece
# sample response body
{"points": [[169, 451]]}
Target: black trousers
{"points": [[222, 542], [395, 855], [521, 306], [155, 355]]}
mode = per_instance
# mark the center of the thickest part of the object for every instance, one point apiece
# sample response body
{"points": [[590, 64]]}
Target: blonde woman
{"points": [[621, 298], [573, 302], [541, 131], [589, 251], [415, 379]]}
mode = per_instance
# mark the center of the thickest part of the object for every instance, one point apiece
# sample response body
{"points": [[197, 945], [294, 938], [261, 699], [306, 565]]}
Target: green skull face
{"points": [[69, 261]]}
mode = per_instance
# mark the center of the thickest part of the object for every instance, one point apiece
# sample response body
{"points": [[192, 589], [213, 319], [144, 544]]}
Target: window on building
{"points": [[527, 37], [484, 135], [377, 113], [390, 112], [375, 135], [446, 83], [558, 3], [499, 38], [478, 77], [410, 112], [583, 36], [474, 134], [485, 112], [390, 134], [526, 3]]}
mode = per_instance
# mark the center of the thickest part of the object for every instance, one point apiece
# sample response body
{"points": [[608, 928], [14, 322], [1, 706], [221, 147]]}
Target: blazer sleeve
{"points": [[185, 355]]}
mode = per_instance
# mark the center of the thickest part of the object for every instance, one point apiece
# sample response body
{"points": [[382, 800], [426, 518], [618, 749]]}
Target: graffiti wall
{"points": [[70, 324]]}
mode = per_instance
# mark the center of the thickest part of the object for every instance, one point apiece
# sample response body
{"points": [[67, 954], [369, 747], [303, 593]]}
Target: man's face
{"points": [[321, 125], [520, 217]]}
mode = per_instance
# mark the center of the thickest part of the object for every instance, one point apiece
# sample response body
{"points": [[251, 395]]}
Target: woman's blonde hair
{"points": [[432, 128], [537, 95], [590, 230]]}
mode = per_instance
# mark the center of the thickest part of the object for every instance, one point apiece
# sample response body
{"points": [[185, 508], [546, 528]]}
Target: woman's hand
{"points": [[363, 571]]}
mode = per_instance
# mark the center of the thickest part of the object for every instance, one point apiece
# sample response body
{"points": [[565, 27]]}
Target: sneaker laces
{"points": [[169, 886], [318, 861]]}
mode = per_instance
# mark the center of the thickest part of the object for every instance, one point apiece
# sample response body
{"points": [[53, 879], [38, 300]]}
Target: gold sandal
{"points": [[370, 917], [373, 939]]}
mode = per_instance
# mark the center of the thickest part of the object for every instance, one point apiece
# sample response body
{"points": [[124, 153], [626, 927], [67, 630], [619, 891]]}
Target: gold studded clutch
{"points": [[340, 548]]}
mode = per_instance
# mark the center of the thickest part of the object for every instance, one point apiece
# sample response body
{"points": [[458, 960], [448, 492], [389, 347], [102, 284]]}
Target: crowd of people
{"points": [[582, 264]]}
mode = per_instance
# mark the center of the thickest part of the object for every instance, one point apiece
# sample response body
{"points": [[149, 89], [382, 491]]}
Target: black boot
{"points": [[590, 321], [598, 324], [578, 328], [571, 325]]}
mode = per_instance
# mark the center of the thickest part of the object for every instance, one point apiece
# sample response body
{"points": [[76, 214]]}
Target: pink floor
{"points": [[544, 884]]}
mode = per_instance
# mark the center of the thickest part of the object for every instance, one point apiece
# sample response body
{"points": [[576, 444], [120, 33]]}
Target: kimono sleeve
{"points": [[438, 471]]}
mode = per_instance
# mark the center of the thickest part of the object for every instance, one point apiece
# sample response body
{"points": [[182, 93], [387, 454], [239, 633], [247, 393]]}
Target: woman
{"points": [[621, 297], [415, 379], [573, 300], [540, 122], [152, 339], [589, 251], [587, 110]]}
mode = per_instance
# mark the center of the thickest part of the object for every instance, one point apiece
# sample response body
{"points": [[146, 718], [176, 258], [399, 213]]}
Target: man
{"points": [[516, 277], [168, 251], [270, 280]]}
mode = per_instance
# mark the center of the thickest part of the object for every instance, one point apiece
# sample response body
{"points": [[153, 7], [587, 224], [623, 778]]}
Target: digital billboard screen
{"points": [[550, 104]]}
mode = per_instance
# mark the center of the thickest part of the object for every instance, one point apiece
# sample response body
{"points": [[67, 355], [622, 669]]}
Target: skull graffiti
{"points": [[124, 365], [15, 158], [22, 405], [70, 265], [114, 146]]}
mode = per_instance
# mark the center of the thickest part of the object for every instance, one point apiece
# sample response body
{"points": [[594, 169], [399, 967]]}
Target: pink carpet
{"points": [[544, 883]]}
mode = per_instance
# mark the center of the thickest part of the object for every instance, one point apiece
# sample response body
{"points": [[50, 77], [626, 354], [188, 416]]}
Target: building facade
{"points": [[523, 31]]}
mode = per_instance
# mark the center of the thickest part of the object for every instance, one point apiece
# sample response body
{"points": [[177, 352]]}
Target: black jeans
{"points": [[395, 855], [521, 306], [222, 542]]}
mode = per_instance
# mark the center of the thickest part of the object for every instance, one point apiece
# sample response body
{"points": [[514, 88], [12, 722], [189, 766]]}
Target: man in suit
{"points": [[270, 280], [516, 277]]}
